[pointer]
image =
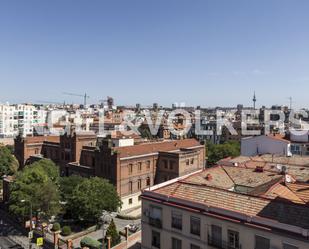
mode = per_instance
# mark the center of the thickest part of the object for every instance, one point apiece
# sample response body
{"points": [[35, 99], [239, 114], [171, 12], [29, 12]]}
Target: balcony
{"points": [[220, 244], [155, 222]]}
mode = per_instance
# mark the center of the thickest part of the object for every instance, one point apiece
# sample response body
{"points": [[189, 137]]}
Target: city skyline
{"points": [[140, 52]]}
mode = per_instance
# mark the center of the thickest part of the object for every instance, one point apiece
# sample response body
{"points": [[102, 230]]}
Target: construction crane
{"points": [[85, 96]]}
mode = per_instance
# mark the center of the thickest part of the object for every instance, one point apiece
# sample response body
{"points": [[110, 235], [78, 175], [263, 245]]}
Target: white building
{"points": [[272, 144], [200, 211]]}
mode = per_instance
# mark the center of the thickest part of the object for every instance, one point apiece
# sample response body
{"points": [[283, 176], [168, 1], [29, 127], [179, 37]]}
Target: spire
{"points": [[254, 100]]}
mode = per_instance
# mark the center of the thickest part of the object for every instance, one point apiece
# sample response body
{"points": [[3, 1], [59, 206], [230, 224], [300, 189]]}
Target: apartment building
{"points": [[20, 119], [226, 208]]}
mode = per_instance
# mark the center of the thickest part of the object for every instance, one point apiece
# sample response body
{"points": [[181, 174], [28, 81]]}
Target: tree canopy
{"points": [[91, 197], [216, 152], [8, 163], [37, 184]]}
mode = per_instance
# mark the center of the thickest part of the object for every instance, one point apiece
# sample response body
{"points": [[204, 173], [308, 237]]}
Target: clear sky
{"points": [[201, 52]]}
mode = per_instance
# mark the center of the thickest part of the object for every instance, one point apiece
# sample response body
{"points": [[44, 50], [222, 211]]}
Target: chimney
{"points": [[208, 177], [259, 169]]}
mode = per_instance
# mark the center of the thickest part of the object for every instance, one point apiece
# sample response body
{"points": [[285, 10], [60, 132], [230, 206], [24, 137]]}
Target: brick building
{"points": [[130, 168]]}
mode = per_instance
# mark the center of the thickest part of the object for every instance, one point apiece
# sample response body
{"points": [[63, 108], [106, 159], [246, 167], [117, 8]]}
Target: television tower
{"points": [[254, 100]]}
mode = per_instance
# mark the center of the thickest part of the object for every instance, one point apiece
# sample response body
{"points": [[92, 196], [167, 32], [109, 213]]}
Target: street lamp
{"points": [[106, 218], [24, 201]]}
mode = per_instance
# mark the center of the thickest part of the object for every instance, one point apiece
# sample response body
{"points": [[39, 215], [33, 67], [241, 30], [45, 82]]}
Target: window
{"points": [[176, 220], [155, 240], [176, 243], [187, 162], [216, 236], [148, 164], [194, 247], [172, 165], [148, 181], [130, 186], [130, 201], [195, 227], [261, 242], [139, 184], [192, 160], [139, 166], [165, 164], [288, 246], [130, 168], [155, 216], [233, 239]]}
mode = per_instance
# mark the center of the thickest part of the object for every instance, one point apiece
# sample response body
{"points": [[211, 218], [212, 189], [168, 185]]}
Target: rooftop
{"points": [[155, 147], [210, 190]]}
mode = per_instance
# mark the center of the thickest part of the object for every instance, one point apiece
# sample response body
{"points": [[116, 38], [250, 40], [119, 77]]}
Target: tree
{"points": [[91, 197], [113, 234], [216, 152], [36, 184], [8, 163], [67, 186], [90, 242], [66, 231]]}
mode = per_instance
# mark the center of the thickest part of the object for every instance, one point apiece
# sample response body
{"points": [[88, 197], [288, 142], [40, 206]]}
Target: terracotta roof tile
{"points": [[143, 149]]}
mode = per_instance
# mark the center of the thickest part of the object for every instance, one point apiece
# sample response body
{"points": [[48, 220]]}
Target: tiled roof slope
{"points": [[148, 148], [292, 214]]}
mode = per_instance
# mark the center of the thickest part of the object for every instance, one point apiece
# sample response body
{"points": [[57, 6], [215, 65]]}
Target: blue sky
{"points": [[201, 52]]}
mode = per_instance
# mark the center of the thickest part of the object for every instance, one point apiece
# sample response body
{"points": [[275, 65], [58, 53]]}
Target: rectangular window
{"points": [[130, 168], [192, 160], [195, 225], [139, 166], [155, 240], [130, 186], [176, 243], [288, 246], [194, 247], [233, 239], [165, 164], [130, 201], [187, 162], [139, 184], [261, 242], [216, 236], [148, 181], [155, 216], [148, 164], [176, 220]]}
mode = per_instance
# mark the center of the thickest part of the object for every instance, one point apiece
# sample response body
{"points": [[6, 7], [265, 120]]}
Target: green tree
{"points": [[8, 163], [67, 186], [216, 152], [113, 233], [91, 197], [36, 184]]}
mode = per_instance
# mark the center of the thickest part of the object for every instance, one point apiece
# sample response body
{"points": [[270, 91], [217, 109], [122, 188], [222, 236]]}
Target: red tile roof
{"points": [[166, 146], [283, 212]]}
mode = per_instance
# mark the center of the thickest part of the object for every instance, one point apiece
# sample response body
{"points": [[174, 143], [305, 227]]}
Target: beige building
{"points": [[210, 209]]}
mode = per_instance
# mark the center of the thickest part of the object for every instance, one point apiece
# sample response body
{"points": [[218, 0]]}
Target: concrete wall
{"points": [[253, 146]]}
